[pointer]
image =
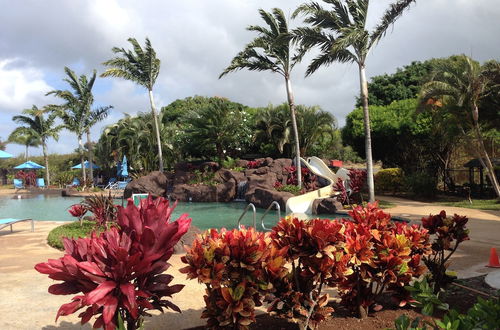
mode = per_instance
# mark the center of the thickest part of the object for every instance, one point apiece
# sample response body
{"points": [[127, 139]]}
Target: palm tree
{"points": [[314, 125], [76, 112], [460, 85], [142, 67], [342, 36], [36, 125], [272, 50], [24, 137]]}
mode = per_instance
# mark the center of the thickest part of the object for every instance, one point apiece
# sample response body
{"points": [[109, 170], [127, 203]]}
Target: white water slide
{"points": [[301, 205]]}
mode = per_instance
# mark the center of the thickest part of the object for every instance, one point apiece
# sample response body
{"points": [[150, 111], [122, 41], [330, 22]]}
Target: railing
{"points": [[245, 212], [278, 208]]}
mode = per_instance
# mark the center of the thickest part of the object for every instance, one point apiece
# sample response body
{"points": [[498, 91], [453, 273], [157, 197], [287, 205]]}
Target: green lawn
{"points": [[479, 204], [55, 238], [385, 204]]}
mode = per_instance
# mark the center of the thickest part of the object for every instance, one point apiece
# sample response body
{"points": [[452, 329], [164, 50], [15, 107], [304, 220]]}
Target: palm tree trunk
{"points": [[91, 159], [291, 104], [26, 153], [490, 170], [80, 144], [368, 138], [157, 129], [46, 160]]}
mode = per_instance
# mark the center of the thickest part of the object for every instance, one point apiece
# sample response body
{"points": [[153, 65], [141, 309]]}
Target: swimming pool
{"points": [[204, 215]]}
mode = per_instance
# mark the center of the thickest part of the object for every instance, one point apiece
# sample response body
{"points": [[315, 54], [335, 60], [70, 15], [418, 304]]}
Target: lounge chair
{"points": [[18, 184], [122, 184], [40, 183], [75, 183], [11, 221], [111, 184]]}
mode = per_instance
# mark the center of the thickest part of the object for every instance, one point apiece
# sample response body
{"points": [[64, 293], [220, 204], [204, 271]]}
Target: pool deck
{"points": [[26, 304]]}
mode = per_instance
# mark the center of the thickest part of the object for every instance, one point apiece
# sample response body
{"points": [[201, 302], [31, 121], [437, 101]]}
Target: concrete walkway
{"points": [[26, 304]]}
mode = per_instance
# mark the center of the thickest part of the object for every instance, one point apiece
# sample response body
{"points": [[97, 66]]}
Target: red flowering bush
{"points": [[339, 187], [78, 211], [448, 233], [29, 178], [119, 273], [236, 267], [383, 256], [357, 180], [317, 259]]}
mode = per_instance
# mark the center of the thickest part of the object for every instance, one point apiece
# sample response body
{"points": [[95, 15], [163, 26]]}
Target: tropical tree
{"points": [[459, 87], [34, 124], [272, 50], [77, 113], [273, 128], [342, 35], [142, 67], [314, 126], [24, 137]]}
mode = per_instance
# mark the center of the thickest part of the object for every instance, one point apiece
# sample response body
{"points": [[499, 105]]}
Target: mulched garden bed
{"points": [[458, 298]]}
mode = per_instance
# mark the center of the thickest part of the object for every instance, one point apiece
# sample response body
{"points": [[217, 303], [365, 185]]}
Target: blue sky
{"points": [[195, 40]]}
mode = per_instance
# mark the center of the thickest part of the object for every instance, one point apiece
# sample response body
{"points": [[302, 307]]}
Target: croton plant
{"points": [[118, 275]]}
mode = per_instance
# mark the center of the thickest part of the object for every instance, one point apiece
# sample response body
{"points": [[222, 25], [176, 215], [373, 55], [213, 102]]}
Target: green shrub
{"points": [[55, 238], [289, 188], [389, 180], [421, 184], [64, 178]]}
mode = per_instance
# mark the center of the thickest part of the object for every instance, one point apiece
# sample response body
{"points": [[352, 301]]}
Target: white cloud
{"points": [[20, 86]]}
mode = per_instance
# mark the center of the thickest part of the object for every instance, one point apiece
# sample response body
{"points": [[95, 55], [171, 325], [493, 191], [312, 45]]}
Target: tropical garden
{"points": [[431, 113]]}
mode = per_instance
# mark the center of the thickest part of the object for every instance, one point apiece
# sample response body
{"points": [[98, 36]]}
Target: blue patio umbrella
{"points": [[86, 164], [29, 165], [118, 168], [124, 169], [4, 154]]}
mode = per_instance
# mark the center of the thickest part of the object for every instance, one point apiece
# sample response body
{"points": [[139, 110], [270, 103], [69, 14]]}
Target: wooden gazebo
{"points": [[474, 164]]}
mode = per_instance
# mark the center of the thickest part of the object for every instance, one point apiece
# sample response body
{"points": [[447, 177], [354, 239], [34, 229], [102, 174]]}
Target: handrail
{"points": [[245, 212], [278, 208]]}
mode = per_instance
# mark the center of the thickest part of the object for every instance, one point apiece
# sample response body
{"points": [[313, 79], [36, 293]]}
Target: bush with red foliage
{"points": [[317, 259], [253, 164], [29, 178], [448, 233], [384, 255], [339, 187], [357, 180], [309, 180], [78, 211], [102, 207], [119, 272], [236, 267]]}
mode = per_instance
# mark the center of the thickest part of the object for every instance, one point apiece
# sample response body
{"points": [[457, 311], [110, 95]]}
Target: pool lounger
{"points": [[11, 221]]}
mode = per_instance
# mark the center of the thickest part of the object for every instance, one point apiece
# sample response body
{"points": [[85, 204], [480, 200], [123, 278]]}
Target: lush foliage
{"points": [[390, 180], [102, 207], [309, 180], [361, 258], [78, 211], [423, 297], [448, 233], [119, 272], [291, 188], [236, 266], [421, 184]]}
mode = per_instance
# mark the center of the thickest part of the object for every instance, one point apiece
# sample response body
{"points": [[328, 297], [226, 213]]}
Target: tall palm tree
{"points": [[77, 113], [24, 137], [35, 124], [272, 50], [342, 36], [460, 85], [142, 67]]}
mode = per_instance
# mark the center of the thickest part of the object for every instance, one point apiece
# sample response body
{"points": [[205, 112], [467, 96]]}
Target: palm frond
{"points": [[390, 16]]}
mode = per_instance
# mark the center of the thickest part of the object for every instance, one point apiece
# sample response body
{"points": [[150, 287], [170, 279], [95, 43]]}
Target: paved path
{"points": [[25, 303], [484, 225]]}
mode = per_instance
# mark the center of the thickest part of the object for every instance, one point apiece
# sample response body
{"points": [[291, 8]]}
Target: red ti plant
{"points": [[317, 259], [118, 275], [235, 266], [103, 208], [253, 164], [357, 180], [448, 233], [309, 180], [383, 256], [339, 187], [78, 211]]}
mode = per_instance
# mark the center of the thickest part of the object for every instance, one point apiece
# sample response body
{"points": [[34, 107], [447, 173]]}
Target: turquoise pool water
{"points": [[204, 215]]}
